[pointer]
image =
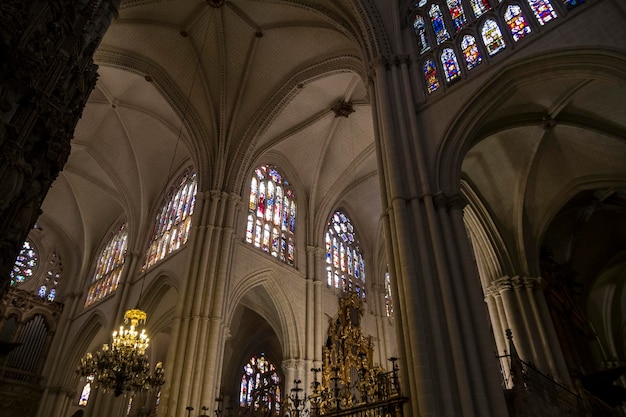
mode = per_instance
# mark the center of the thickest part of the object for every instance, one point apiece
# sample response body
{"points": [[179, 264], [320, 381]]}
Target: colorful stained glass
{"points": [[172, 224], [344, 261], [543, 10], [109, 267], [470, 51], [570, 4], [86, 392], [430, 75], [456, 13], [492, 37], [25, 264], [53, 276], [419, 27], [450, 65], [516, 22], [271, 214], [439, 26], [480, 6], [259, 390]]}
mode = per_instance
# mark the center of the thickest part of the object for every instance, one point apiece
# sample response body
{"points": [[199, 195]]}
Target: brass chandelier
{"points": [[123, 366]]}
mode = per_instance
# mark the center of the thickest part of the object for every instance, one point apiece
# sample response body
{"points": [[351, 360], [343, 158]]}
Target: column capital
{"points": [[516, 282]]}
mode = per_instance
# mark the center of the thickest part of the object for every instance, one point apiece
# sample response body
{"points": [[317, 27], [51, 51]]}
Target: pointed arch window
{"points": [[86, 392], [272, 214], [260, 387], [173, 222], [516, 22], [543, 10], [345, 266], [480, 6], [25, 264], [470, 51], [388, 297], [457, 14], [108, 271], [492, 37], [430, 75], [439, 26], [419, 27], [450, 65]]}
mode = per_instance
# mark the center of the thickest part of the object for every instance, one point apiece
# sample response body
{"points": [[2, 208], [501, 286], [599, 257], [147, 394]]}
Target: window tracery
{"points": [[53, 275], [173, 222], [345, 266], [25, 264], [470, 32], [109, 266], [260, 387], [272, 214]]}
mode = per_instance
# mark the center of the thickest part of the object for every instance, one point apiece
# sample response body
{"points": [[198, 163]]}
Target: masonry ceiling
{"points": [[256, 81]]}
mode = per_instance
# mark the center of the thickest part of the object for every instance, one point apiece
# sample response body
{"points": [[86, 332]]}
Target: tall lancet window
{"points": [[108, 271], [272, 214], [260, 387], [171, 227], [345, 267], [388, 296]]}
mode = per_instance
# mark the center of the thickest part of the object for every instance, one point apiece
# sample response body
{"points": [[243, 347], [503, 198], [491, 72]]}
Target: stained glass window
{"points": [[492, 37], [272, 214], [345, 266], [480, 6], [109, 267], [439, 26], [456, 13], [470, 51], [260, 387], [86, 392], [173, 222], [420, 31], [543, 10], [516, 22], [55, 268], [430, 74], [25, 264], [570, 4], [450, 65], [388, 299]]}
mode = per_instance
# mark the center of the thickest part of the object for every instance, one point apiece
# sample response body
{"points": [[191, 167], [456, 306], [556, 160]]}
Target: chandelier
{"points": [[123, 366]]}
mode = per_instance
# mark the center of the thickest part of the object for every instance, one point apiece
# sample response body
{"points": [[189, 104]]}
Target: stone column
{"points": [[442, 324], [199, 331], [522, 299], [46, 75]]}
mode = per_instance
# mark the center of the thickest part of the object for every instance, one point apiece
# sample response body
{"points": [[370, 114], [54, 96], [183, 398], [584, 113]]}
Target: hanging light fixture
{"points": [[123, 366]]}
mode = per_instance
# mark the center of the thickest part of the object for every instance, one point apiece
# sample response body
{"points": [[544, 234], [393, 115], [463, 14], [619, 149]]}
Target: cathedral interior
{"points": [[317, 195]]}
